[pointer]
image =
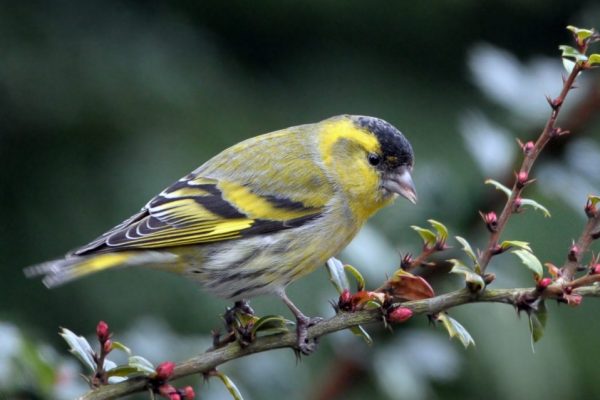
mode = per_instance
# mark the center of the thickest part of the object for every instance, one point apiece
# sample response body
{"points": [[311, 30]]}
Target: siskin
{"points": [[260, 214]]}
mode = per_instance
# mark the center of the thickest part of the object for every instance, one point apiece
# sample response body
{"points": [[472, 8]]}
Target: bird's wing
{"points": [[198, 210]]}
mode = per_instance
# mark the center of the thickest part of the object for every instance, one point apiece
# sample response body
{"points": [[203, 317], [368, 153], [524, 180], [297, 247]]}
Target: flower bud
{"points": [[188, 393], [166, 390], [102, 331], [107, 346], [590, 209], [522, 178], [543, 283], [406, 261], [573, 253], [345, 300], [400, 314], [528, 147], [491, 220], [595, 269], [165, 370]]}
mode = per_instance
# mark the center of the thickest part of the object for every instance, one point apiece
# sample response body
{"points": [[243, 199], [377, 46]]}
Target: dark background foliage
{"points": [[104, 103]]}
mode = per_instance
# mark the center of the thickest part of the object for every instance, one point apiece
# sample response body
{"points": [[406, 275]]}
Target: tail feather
{"points": [[59, 272]]}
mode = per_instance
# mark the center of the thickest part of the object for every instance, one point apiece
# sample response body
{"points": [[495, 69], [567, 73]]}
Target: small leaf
{"points": [[536, 206], [271, 325], [442, 231], [360, 281], [467, 248], [141, 364], [515, 243], [364, 298], [120, 346], [80, 348], [569, 65], [427, 235], [530, 261], [594, 59], [230, 386], [570, 52], [582, 34], [537, 322], [456, 330], [594, 199], [127, 371], [403, 286], [553, 270], [499, 186], [472, 279], [360, 331], [337, 274]]}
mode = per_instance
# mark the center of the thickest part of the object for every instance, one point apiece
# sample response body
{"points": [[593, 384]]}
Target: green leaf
{"points": [[594, 59], [569, 65], [442, 231], [572, 53], [360, 331], [120, 346], [515, 243], [80, 348], [530, 261], [537, 322], [467, 248], [536, 206], [360, 281], [271, 325], [230, 386], [127, 371], [456, 330], [427, 235], [337, 274], [472, 279], [141, 364], [499, 186], [581, 33]]}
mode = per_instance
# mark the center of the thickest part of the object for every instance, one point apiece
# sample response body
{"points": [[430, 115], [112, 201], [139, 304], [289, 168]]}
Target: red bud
{"points": [[165, 370], [400, 314], [166, 390], [528, 147], [345, 300], [175, 396], [590, 209], [107, 346], [522, 178], [188, 393], [595, 270], [491, 220], [543, 283], [573, 253], [102, 331], [573, 299]]}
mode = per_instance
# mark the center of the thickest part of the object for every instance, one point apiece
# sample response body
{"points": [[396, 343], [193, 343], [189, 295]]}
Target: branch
{"points": [[211, 359], [579, 248]]}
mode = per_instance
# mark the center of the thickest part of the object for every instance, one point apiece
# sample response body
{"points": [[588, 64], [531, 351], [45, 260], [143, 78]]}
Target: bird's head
{"points": [[371, 160]]}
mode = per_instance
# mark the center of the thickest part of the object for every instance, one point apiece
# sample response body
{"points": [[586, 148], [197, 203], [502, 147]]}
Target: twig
{"points": [[531, 156], [579, 248], [211, 359]]}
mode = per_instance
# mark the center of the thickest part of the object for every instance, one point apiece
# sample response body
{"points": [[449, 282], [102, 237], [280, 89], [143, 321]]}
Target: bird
{"points": [[259, 215]]}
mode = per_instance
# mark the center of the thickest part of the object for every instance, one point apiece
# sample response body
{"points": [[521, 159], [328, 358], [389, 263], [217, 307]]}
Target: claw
{"points": [[304, 345]]}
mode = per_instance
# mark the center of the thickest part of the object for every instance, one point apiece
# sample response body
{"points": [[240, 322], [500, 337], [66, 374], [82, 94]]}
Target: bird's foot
{"points": [[305, 345]]}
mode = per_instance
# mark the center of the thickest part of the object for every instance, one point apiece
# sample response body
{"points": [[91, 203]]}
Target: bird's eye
{"points": [[374, 159]]}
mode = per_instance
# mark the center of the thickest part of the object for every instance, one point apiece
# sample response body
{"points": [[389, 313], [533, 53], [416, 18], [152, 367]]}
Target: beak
{"points": [[400, 182]]}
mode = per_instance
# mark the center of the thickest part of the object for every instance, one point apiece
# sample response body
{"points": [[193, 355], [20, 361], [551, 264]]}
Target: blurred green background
{"points": [[105, 103]]}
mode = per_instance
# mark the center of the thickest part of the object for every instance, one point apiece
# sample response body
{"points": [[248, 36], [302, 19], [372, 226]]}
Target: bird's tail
{"points": [[58, 272]]}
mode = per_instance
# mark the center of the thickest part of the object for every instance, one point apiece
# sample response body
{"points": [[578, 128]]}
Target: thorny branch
{"points": [[211, 359]]}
